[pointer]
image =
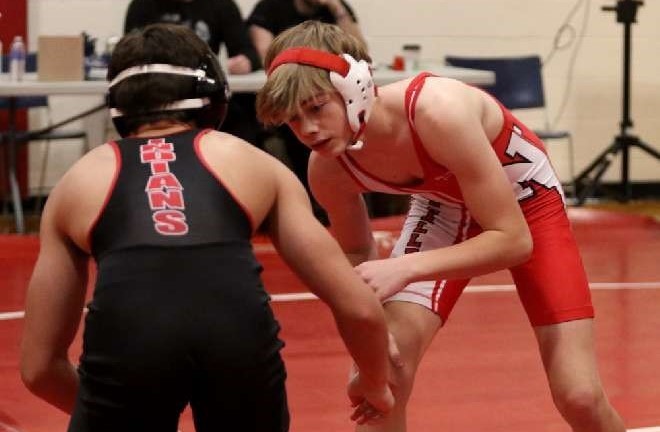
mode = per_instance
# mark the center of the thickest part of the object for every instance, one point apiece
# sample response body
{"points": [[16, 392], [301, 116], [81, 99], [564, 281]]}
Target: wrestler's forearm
{"points": [[365, 336], [487, 252]]}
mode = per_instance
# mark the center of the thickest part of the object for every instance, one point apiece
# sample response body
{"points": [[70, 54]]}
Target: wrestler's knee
{"points": [[412, 328], [580, 404], [402, 381]]}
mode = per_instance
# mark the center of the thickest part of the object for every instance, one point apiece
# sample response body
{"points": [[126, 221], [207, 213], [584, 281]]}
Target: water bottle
{"points": [[17, 59]]}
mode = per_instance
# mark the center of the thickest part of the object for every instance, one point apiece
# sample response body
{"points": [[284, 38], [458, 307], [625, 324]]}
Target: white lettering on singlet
{"points": [[534, 166]]}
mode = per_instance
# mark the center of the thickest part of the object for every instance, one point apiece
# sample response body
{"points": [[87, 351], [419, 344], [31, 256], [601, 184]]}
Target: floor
{"points": [[482, 371]]}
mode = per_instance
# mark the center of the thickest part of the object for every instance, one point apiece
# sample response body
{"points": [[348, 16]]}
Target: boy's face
{"points": [[321, 124]]}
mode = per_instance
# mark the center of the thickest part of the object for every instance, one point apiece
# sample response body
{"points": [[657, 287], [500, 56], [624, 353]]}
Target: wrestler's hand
{"points": [[385, 276], [364, 411], [394, 353], [371, 403]]}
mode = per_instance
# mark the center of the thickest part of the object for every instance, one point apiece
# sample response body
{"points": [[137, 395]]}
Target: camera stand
{"points": [[587, 181]]}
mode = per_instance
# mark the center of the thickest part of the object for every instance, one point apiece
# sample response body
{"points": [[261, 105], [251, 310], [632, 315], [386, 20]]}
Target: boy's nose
{"points": [[308, 127]]}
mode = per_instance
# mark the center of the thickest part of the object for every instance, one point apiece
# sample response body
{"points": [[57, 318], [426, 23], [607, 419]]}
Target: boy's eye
{"points": [[317, 106]]}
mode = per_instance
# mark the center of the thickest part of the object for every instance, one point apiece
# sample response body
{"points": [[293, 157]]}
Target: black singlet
{"points": [[179, 313]]}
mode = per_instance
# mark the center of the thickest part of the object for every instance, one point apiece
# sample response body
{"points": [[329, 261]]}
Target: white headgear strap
{"points": [[158, 68], [182, 104], [164, 69]]}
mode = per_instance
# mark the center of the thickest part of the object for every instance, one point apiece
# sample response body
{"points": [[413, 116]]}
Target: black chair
{"points": [[34, 102], [519, 85]]}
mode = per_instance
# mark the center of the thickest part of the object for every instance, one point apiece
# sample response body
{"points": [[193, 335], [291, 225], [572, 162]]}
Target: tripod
{"points": [[587, 181]]}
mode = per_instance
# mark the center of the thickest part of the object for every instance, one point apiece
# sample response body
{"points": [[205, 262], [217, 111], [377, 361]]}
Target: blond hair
{"points": [[291, 84]]}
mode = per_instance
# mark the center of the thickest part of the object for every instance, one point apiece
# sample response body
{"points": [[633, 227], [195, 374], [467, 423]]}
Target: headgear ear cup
{"points": [[215, 87], [358, 91], [351, 78]]}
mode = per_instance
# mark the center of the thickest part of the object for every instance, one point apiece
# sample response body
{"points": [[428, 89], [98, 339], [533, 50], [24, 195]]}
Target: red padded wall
{"points": [[13, 22]]}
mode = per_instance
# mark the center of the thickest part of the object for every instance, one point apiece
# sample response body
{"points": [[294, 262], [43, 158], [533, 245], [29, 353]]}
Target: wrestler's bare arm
{"points": [[81, 193], [312, 253], [466, 151], [271, 192], [449, 122], [54, 305], [56, 292], [342, 200]]}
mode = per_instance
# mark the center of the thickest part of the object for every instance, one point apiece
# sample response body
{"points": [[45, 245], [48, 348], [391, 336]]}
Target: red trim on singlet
{"points": [[432, 171], [440, 285], [205, 163], [437, 182], [434, 182], [413, 188], [115, 148], [430, 168], [400, 188], [404, 189], [357, 180], [412, 94]]}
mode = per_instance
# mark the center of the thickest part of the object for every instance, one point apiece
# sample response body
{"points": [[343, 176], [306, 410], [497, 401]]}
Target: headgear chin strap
{"points": [[351, 78]]}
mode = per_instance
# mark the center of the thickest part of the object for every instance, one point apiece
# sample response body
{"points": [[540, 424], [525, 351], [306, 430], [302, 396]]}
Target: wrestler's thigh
{"points": [[553, 285]]}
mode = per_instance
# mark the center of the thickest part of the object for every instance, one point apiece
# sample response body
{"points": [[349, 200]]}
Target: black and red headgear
{"points": [[209, 93]]}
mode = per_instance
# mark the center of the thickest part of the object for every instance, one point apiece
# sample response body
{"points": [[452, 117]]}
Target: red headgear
{"points": [[351, 78]]}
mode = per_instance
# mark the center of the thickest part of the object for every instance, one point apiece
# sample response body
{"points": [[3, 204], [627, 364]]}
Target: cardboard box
{"points": [[60, 58]]}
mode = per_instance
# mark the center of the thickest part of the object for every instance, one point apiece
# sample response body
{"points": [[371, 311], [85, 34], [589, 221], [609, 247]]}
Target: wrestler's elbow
{"points": [[36, 365], [34, 374]]}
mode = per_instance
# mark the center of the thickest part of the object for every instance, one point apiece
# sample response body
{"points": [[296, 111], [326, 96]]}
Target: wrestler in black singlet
{"points": [[177, 318]]}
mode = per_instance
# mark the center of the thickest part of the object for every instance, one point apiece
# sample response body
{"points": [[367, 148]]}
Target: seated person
{"points": [[271, 17]]}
